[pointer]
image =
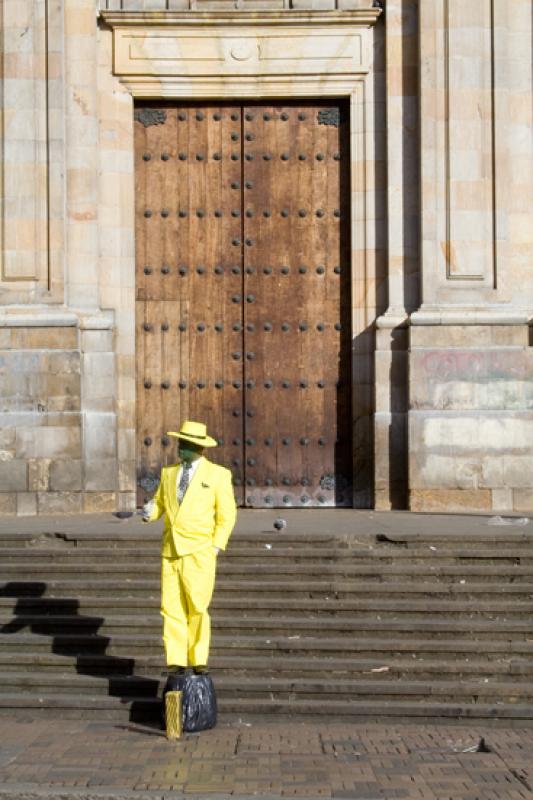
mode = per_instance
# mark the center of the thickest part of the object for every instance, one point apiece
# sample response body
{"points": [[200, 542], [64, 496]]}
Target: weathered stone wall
{"points": [[471, 418], [68, 254], [59, 384], [442, 195], [57, 417], [471, 360], [40, 438]]}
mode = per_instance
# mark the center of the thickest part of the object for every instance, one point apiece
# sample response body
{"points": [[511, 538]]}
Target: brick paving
{"points": [[71, 759]]}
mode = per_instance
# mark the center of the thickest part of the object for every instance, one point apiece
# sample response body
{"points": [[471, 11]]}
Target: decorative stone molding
{"points": [[159, 55], [362, 16], [30, 318], [466, 316], [391, 320], [462, 124]]}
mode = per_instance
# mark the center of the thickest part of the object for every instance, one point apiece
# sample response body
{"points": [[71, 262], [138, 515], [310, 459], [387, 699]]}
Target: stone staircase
{"points": [[422, 625]]}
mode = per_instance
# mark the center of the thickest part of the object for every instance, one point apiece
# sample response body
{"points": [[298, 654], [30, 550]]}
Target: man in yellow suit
{"points": [[196, 497]]}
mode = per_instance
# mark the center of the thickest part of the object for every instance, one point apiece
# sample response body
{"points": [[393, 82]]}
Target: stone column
{"points": [[401, 85], [84, 251], [116, 226], [402, 157]]}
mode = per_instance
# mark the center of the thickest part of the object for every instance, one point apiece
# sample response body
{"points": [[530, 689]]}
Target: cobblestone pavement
{"points": [[70, 759]]}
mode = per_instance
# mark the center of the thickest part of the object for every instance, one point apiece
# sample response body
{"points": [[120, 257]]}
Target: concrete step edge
{"points": [[275, 643], [341, 707], [277, 551], [228, 567], [331, 685], [313, 609], [293, 623], [149, 534], [287, 662], [343, 585]]}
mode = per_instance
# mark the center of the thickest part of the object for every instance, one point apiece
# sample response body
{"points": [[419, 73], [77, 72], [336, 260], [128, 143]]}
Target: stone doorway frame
{"points": [[268, 55]]}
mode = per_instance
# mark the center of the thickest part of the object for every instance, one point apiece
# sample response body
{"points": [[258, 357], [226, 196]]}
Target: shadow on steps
{"points": [[39, 615]]}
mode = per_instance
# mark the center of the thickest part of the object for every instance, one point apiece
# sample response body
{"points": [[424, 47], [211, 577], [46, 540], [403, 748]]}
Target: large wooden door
{"points": [[243, 295]]}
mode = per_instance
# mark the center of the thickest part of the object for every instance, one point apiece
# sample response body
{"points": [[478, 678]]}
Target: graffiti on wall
{"points": [[477, 365]]}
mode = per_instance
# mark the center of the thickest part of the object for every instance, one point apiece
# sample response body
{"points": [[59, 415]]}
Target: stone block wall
{"points": [[471, 361], [441, 135], [66, 274], [57, 420], [470, 418], [40, 420]]}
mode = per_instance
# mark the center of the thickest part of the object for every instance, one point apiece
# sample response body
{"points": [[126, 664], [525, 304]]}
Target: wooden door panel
{"points": [[294, 311], [189, 281], [156, 220], [149, 397], [243, 294]]}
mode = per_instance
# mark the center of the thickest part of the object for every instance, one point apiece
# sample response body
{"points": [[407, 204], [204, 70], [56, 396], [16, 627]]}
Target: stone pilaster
{"points": [[81, 153], [31, 196], [402, 170], [471, 365], [99, 421], [116, 233]]}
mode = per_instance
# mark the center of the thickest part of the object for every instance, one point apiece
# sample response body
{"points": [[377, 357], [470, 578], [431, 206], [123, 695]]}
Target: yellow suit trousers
{"points": [[187, 584]]}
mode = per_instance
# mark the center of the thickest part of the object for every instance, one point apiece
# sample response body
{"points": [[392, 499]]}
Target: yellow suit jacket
{"points": [[206, 515]]}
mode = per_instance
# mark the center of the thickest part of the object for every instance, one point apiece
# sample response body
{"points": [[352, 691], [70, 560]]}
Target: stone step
{"points": [[68, 706], [380, 710], [151, 541], [268, 606], [131, 644], [228, 567], [60, 535], [280, 553], [409, 625], [274, 688], [480, 667], [432, 626], [110, 590]]}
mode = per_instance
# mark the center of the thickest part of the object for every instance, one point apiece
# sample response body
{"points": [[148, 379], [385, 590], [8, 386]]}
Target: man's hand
{"points": [[147, 510]]}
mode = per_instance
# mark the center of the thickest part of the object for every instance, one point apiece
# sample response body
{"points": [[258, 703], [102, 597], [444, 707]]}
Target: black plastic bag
{"points": [[199, 702]]}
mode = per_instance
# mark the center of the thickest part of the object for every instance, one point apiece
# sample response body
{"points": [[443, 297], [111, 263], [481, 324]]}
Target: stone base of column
{"points": [[470, 418]]}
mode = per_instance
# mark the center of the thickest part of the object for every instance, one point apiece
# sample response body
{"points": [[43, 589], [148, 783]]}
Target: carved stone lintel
{"points": [[329, 116], [150, 116]]}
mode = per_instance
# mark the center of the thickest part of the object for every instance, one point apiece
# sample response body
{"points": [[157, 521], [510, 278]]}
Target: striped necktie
{"points": [[184, 480]]}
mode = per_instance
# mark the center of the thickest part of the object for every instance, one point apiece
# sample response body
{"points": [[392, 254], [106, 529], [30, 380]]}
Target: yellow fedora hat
{"points": [[195, 432]]}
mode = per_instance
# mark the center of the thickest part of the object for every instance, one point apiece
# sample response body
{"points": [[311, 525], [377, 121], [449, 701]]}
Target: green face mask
{"points": [[188, 451]]}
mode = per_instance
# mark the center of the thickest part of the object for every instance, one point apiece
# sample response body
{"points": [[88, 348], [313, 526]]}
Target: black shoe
{"points": [[201, 670], [174, 669]]}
